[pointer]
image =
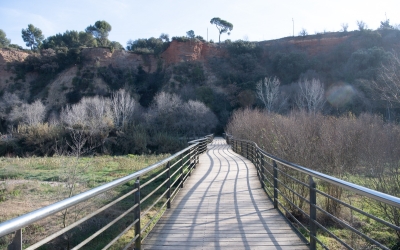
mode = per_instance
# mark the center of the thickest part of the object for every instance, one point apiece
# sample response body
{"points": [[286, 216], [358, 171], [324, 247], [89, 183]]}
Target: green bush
{"points": [[189, 72], [148, 46], [180, 38], [244, 47]]}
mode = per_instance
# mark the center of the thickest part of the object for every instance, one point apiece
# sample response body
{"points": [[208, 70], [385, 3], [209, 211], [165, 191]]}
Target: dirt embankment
{"points": [[9, 56], [103, 57], [191, 51], [311, 45]]}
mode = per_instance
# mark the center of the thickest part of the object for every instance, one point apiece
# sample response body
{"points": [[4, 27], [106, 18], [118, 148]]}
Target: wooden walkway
{"points": [[222, 206]]}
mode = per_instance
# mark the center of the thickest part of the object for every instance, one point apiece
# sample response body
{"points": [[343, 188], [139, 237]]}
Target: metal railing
{"points": [[177, 168], [310, 200]]}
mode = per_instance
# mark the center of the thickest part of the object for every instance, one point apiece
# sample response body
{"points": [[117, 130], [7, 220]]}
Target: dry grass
{"points": [[364, 150], [27, 184]]}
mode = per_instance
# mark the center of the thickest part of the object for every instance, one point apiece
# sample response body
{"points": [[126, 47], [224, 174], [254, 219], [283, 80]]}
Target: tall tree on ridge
{"points": [[32, 36], [100, 31], [222, 26]]}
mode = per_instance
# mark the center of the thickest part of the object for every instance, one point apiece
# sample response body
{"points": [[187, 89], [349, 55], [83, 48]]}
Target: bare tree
{"points": [[268, 91], [166, 102], [123, 107], [34, 113], [361, 25], [303, 32], [164, 111], [92, 113], [169, 113], [29, 114], [388, 86], [88, 123], [344, 26], [197, 119], [311, 96]]}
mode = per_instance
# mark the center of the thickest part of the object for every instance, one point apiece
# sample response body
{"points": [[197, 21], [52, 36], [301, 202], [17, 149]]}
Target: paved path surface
{"points": [[222, 206]]}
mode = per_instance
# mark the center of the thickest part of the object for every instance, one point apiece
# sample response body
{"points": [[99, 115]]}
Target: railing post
{"points": [[190, 160], [236, 147], [16, 244], [261, 168], [181, 171], [275, 184], [262, 171], [253, 153], [168, 185], [247, 150], [197, 152], [193, 155], [138, 241], [313, 214]]}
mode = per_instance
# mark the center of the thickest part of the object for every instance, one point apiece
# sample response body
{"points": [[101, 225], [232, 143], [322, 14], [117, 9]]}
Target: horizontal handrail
{"points": [[197, 147], [379, 196], [209, 137], [29, 218]]}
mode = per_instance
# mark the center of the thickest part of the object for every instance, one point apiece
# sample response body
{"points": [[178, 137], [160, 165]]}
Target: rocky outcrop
{"points": [[191, 51], [9, 56], [103, 57]]}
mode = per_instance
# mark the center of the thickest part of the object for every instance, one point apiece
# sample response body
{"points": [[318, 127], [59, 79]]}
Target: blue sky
{"points": [[255, 20]]}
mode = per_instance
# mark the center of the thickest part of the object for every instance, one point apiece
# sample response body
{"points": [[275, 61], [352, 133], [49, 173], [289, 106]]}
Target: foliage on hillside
{"points": [[348, 66]]}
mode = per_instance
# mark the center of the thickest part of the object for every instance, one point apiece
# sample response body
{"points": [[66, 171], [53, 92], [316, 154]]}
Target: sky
{"points": [[253, 20]]}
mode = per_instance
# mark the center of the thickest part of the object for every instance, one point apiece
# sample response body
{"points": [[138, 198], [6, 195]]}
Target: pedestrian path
{"points": [[222, 206]]}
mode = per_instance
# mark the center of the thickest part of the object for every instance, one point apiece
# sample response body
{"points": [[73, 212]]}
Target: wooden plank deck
{"points": [[222, 206]]}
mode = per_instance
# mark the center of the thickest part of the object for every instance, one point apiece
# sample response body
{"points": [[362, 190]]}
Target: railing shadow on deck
{"points": [[222, 162], [298, 193], [172, 172]]}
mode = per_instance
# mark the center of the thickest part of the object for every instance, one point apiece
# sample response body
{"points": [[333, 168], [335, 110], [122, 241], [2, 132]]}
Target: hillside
{"points": [[222, 76]]}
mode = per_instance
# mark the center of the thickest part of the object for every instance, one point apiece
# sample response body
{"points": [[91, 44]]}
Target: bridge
{"points": [[216, 194], [223, 206]]}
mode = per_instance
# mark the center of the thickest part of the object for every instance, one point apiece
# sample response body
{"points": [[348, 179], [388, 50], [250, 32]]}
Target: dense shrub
{"points": [[244, 47], [180, 38], [147, 46], [288, 67], [189, 73], [365, 63], [363, 146]]}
